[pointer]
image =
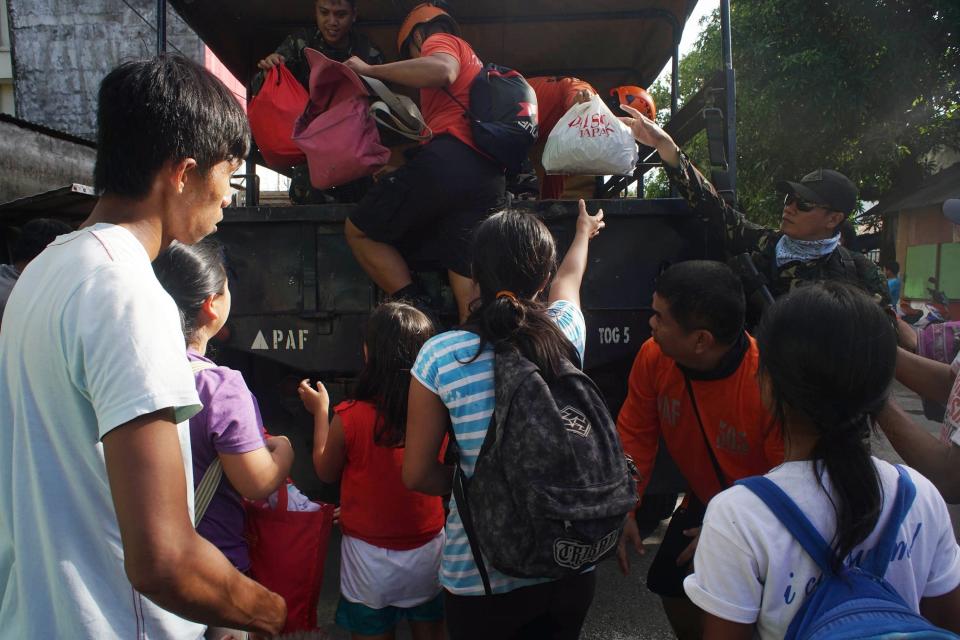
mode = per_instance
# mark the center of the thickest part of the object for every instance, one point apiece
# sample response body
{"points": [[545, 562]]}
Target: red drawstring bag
{"points": [[272, 113], [287, 553], [336, 131]]}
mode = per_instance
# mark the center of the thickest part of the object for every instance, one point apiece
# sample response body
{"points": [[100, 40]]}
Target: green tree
{"points": [[868, 87]]}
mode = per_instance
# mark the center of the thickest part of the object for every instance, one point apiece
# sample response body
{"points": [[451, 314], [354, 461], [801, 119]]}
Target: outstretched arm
{"points": [[164, 557], [433, 71], [329, 443], [930, 379], [739, 234], [922, 451], [566, 284]]}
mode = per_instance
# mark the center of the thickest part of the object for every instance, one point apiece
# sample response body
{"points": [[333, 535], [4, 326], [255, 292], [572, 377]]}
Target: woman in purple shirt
{"points": [[229, 429]]}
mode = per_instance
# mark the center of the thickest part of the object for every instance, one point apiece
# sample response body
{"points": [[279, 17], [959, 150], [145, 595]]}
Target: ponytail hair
{"points": [[514, 258], [395, 333], [828, 352], [191, 274]]}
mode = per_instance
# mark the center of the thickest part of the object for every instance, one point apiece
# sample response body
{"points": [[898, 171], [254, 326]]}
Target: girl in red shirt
{"points": [[392, 537]]}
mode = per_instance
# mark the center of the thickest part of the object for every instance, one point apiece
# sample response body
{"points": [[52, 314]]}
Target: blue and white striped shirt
{"points": [[466, 388]]}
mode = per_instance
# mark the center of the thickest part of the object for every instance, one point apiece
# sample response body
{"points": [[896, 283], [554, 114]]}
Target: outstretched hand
{"points": [[271, 61], [313, 399], [649, 133], [587, 224], [358, 66]]}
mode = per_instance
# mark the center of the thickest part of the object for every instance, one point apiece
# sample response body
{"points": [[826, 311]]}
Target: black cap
{"points": [[826, 187]]}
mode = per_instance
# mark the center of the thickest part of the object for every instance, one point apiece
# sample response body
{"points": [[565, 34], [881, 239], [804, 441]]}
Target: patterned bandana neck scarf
{"points": [[791, 250]]}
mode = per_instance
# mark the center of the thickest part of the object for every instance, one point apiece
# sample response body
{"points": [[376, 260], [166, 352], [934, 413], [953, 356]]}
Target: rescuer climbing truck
{"points": [[300, 299]]}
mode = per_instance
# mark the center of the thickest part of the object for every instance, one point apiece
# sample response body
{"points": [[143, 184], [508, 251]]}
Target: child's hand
{"points": [[313, 399], [587, 224]]}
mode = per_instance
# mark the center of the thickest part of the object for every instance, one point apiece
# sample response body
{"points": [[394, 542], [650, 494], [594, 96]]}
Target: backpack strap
{"points": [[203, 494], [463, 508], [466, 112], [848, 263], [397, 112], [385, 117], [883, 552], [791, 517]]}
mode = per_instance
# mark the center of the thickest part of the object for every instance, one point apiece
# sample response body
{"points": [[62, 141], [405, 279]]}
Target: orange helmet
{"points": [[637, 98], [421, 14]]}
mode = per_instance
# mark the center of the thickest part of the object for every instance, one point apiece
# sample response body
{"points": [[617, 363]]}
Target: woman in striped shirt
{"points": [[514, 256]]}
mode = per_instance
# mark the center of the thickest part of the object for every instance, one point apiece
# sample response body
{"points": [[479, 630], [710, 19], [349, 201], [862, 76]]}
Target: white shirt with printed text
{"points": [[749, 569]]}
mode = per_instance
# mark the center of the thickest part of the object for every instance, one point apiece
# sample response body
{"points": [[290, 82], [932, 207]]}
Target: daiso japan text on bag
{"points": [[590, 140]]}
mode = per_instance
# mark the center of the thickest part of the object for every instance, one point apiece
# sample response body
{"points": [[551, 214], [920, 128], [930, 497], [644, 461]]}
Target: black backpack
{"points": [[503, 115], [551, 485]]}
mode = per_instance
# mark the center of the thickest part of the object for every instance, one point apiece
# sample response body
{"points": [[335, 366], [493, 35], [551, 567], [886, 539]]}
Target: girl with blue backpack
{"points": [[514, 262], [833, 543]]}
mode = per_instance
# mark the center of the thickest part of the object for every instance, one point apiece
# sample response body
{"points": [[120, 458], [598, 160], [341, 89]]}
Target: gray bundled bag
{"points": [[551, 487]]}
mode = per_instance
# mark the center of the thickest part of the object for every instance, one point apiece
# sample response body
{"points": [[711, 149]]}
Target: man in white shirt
{"points": [[96, 507]]}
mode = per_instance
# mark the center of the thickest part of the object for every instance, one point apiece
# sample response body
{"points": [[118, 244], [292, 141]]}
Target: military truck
{"points": [[300, 300]]}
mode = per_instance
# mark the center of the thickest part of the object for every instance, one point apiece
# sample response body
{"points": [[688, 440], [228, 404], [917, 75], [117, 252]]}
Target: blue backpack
{"points": [[857, 602]]}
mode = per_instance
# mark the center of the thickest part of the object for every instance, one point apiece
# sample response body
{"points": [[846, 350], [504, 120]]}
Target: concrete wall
{"points": [[63, 48], [33, 162]]}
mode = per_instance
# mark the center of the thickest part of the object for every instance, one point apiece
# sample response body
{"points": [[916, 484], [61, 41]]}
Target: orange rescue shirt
{"points": [[554, 98], [442, 114], [374, 505], [744, 437]]}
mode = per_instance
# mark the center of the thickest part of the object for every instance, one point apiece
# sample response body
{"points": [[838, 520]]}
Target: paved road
{"points": [[623, 609]]}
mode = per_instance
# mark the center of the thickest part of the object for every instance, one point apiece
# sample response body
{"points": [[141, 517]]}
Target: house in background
{"points": [[926, 244]]}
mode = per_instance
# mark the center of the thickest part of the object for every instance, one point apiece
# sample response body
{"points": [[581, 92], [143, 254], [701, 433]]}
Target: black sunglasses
{"points": [[802, 205]]}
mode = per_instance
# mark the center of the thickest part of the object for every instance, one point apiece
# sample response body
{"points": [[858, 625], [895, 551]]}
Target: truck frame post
{"points": [[730, 110], [161, 27]]}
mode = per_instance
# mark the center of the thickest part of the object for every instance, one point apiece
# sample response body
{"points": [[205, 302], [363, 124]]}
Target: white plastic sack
{"points": [[590, 141]]}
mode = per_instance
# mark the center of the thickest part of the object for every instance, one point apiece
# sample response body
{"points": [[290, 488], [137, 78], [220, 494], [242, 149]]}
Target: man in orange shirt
{"points": [[694, 383], [438, 197], [555, 96]]}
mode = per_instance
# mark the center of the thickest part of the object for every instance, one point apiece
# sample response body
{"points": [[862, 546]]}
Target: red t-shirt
{"points": [[374, 505], [554, 98], [442, 114]]}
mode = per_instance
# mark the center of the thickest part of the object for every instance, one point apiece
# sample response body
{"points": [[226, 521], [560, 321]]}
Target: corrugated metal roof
{"points": [[47, 131], [933, 191], [76, 200]]}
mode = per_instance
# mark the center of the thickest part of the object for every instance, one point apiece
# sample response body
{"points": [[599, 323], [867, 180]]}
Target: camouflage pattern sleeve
{"points": [[290, 49], [292, 46], [739, 234]]}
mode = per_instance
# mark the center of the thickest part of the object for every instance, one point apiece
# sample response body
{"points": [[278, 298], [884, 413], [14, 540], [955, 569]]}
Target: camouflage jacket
{"points": [[742, 236], [292, 51]]}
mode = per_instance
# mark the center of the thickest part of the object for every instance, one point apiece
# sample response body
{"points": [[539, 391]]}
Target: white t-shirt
{"points": [[951, 419], [748, 568], [89, 342]]}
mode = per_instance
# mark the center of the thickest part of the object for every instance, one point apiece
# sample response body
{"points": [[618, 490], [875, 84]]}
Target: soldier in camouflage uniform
{"points": [[806, 247], [335, 38]]}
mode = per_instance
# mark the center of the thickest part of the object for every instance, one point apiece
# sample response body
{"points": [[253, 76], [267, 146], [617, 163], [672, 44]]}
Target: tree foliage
{"points": [[869, 87]]}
